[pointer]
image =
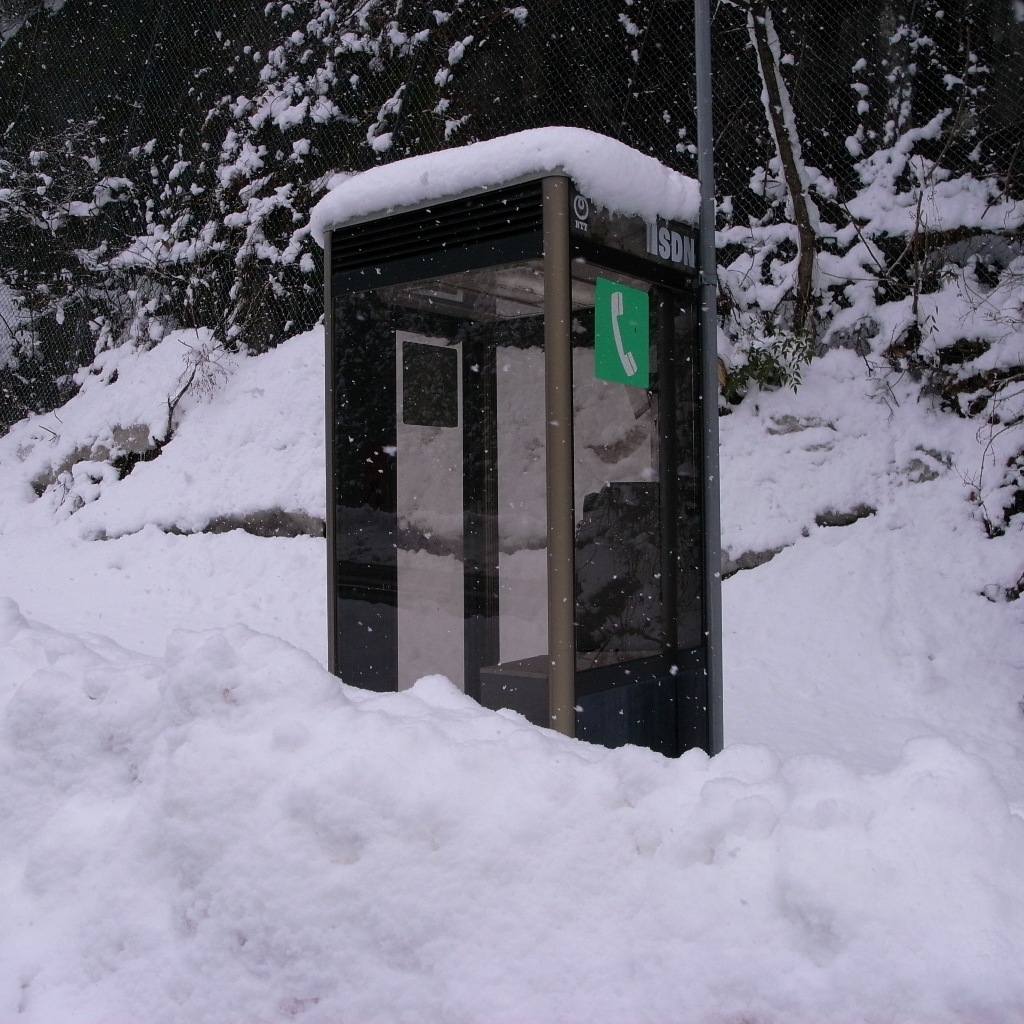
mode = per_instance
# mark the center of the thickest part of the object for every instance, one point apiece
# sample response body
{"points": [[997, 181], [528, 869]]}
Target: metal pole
{"points": [[329, 518], [559, 457], [709, 364]]}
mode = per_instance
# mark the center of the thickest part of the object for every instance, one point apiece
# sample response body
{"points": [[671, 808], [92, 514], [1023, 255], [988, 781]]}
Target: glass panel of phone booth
{"points": [[441, 518], [636, 486], [465, 453]]}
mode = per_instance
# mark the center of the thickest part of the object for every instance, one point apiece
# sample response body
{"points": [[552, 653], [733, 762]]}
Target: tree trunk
{"points": [[788, 148]]}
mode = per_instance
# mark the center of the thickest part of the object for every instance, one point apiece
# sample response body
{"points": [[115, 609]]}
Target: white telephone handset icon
{"points": [[626, 358]]}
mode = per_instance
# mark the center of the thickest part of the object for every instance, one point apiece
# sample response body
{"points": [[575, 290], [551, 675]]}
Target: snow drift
{"points": [[228, 833]]}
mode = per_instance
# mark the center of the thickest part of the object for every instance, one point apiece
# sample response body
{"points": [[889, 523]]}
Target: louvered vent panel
{"points": [[447, 226]]}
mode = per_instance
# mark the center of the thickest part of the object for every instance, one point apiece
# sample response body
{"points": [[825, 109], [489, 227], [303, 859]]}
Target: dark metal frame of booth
{"points": [[667, 702]]}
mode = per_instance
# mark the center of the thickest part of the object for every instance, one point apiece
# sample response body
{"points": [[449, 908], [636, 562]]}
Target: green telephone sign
{"points": [[622, 334]]}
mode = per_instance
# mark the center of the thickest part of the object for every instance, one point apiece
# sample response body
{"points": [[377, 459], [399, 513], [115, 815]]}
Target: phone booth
{"points": [[515, 463]]}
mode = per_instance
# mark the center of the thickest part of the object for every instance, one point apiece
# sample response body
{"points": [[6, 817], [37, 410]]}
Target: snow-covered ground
{"points": [[201, 824]]}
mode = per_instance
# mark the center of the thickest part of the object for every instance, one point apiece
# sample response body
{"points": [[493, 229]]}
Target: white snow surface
{"points": [[200, 824], [607, 171]]}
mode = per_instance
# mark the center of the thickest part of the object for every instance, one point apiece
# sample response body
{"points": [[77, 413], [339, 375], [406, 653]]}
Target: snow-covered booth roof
{"points": [[481, 206], [514, 453], [610, 173]]}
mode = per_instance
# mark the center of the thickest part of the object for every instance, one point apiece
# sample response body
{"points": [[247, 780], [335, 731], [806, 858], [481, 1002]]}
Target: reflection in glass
{"points": [[429, 468], [522, 513]]}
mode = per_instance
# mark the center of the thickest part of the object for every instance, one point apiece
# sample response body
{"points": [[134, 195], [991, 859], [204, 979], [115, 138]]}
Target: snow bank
{"points": [[854, 639], [225, 832], [250, 441], [607, 171]]}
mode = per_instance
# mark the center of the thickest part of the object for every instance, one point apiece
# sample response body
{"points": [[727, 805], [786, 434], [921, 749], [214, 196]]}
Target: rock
{"points": [[833, 518]]}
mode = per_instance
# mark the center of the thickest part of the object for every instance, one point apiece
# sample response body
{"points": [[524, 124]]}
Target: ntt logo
{"points": [[670, 245], [581, 211]]}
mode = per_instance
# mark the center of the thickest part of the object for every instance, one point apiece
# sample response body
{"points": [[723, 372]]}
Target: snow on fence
{"points": [[156, 172]]}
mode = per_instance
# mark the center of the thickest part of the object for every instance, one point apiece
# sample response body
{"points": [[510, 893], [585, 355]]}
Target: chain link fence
{"points": [[158, 160]]}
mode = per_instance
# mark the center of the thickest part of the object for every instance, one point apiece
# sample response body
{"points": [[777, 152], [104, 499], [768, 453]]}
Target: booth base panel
{"points": [[520, 686], [661, 711]]}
